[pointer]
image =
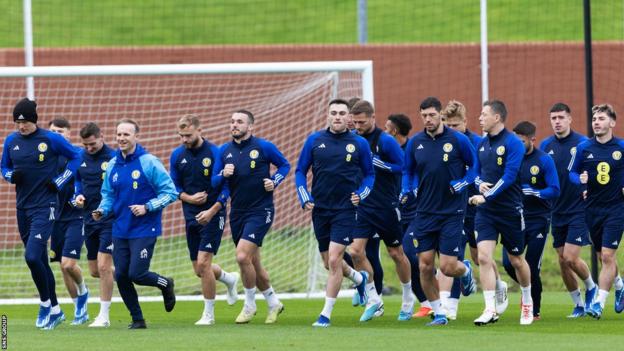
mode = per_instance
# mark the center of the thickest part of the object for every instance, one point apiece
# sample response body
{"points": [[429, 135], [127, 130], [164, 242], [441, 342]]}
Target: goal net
{"points": [[289, 101]]}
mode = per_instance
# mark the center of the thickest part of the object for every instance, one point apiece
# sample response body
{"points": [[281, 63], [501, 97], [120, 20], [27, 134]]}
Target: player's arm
{"points": [[217, 169], [394, 154], [409, 179], [7, 164], [366, 165], [78, 198], [108, 194], [515, 154], [174, 173], [477, 166], [469, 156], [552, 188], [278, 159], [161, 182], [576, 165], [61, 146], [301, 172]]}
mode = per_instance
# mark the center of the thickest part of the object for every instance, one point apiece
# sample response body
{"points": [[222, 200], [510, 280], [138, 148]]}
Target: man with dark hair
{"points": [[67, 235], [454, 117], [350, 104], [540, 186], [379, 214], [244, 164], [30, 161], [598, 164], [438, 168], [569, 230], [342, 167], [500, 210], [204, 211], [399, 126], [98, 235], [135, 190]]}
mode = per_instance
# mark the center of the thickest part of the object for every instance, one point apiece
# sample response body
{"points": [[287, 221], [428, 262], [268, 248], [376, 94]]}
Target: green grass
{"points": [[73, 23], [287, 249], [176, 331]]}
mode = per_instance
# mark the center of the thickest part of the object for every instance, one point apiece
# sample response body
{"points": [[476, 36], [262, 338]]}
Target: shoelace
{"points": [[525, 311]]}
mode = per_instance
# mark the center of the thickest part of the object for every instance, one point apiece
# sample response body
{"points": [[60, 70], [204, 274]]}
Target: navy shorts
{"points": [[67, 240], [35, 225], [382, 221], [570, 229], [98, 238], [251, 225], [468, 232], [206, 238], [536, 228], [442, 233], [605, 227], [333, 225], [510, 227]]}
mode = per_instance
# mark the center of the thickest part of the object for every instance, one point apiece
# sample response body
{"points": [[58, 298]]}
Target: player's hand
{"points": [[476, 200], [584, 177], [197, 198], [228, 170], [80, 201], [355, 199], [138, 210], [268, 184], [52, 186], [308, 206], [403, 198], [485, 187], [17, 177], [97, 215], [204, 217], [528, 191]]}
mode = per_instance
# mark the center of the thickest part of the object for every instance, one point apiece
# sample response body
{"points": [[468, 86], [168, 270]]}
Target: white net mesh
{"points": [[288, 107]]}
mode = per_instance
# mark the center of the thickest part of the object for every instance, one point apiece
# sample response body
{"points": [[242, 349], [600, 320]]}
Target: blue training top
{"points": [[89, 178], [570, 200], [605, 170], [388, 164], [191, 171], [440, 167], [138, 179], [341, 164], [35, 157], [540, 184], [499, 160], [252, 160]]}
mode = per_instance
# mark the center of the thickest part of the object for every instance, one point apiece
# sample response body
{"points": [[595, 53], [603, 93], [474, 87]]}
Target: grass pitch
{"points": [[175, 331]]}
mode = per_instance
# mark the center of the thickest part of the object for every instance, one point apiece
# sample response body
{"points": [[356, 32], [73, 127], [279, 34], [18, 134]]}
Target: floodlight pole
{"points": [[589, 97], [485, 80], [28, 47], [362, 14]]}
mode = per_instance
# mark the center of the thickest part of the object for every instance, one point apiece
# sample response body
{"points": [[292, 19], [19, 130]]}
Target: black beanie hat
{"points": [[25, 110]]}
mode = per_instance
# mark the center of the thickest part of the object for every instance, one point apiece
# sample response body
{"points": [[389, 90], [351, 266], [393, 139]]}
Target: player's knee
{"points": [[94, 271], [136, 276], [608, 259], [67, 265], [484, 260], [334, 263], [104, 269], [357, 253], [426, 267], [32, 258], [448, 269], [396, 253], [243, 258]]}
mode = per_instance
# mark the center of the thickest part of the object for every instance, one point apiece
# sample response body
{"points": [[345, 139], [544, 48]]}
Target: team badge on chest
{"points": [[253, 154], [42, 147], [500, 151], [206, 162], [448, 147], [617, 155]]}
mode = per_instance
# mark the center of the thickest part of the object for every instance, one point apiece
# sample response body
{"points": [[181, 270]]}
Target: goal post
{"points": [[289, 100]]}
